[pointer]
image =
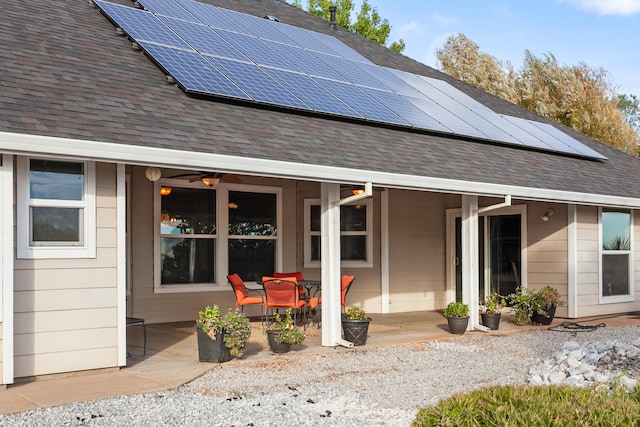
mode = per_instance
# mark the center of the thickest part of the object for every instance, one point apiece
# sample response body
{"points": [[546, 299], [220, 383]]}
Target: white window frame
{"points": [[87, 245], [309, 263], [222, 236], [602, 253]]}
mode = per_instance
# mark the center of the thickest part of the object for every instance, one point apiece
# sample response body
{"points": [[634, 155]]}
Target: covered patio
{"points": [[172, 356]]}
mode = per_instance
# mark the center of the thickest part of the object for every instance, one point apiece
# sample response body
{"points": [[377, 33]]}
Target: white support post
{"points": [[330, 264], [470, 267]]}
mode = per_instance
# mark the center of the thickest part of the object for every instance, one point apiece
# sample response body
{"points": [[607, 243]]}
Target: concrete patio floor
{"points": [[172, 357]]}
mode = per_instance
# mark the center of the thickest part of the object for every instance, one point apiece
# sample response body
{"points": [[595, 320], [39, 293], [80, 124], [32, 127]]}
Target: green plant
{"points": [[535, 406], [494, 303], [456, 309], [525, 305], [355, 313], [548, 296], [234, 324], [289, 332]]}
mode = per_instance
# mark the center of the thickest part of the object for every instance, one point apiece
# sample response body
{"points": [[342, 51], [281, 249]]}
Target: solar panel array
{"points": [[215, 51]]}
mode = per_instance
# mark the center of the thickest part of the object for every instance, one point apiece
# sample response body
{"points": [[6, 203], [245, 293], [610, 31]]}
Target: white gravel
{"points": [[345, 387]]}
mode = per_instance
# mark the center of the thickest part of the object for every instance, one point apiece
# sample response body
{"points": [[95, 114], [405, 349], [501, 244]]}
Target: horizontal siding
{"points": [[66, 309], [64, 299], [417, 273], [61, 341], [52, 321], [67, 361]]}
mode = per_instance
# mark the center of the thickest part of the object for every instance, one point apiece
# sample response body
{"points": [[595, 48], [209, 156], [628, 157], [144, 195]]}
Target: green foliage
{"points": [[535, 406], [527, 303], [355, 313], [289, 332], [456, 309], [577, 96], [618, 244], [368, 22], [234, 324], [494, 303]]}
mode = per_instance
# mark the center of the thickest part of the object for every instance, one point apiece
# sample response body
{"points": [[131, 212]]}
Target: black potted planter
{"points": [[209, 350], [542, 319], [277, 347], [458, 325], [491, 321], [356, 330]]}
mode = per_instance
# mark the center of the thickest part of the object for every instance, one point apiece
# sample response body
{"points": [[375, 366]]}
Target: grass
{"points": [[535, 406]]}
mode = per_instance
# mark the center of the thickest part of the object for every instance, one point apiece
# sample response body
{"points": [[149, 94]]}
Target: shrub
{"points": [[234, 324], [456, 309], [355, 313], [535, 406]]}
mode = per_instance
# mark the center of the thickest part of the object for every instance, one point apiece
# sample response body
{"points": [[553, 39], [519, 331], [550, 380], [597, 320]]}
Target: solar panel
{"points": [[141, 25], [192, 71], [366, 106], [204, 39], [258, 27], [304, 38], [567, 140], [167, 8], [305, 61], [403, 108], [349, 71], [258, 84], [339, 47], [225, 53], [211, 15], [256, 50], [312, 93], [457, 95]]}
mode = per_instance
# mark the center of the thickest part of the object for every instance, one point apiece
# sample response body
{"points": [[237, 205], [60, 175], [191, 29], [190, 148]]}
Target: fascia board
{"points": [[24, 144]]}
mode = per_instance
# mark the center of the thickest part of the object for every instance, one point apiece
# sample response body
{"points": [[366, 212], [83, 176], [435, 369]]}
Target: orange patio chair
{"points": [[298, 276], [242, 293], [282, 293], [345, 285]]}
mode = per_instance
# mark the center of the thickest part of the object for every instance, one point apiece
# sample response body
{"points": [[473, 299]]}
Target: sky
{"points": [[600, 33]]}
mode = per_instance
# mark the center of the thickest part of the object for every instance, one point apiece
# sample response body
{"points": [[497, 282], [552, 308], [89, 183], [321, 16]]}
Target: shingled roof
{"points": [[65, 73]]}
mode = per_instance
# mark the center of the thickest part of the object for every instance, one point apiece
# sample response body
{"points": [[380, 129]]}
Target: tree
{"points": [[577, 96], [630, 107], [368, 23]]}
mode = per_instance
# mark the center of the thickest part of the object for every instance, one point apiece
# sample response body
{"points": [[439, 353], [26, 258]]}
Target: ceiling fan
{"points": [[209, 178]]}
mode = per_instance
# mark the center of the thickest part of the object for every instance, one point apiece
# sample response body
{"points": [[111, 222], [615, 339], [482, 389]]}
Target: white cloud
{"points": [[607, 7], [407, 29], [443, 20]]}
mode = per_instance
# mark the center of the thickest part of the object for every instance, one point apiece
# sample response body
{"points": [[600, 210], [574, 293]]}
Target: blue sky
{"points": [[600, 33]]}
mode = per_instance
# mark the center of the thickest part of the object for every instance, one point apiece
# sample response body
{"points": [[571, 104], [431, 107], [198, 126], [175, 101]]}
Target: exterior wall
{"points": [[547, 250], [1, 353], [417, 241], [588, 267], [66, 309], [365, 291], [184, 306]]}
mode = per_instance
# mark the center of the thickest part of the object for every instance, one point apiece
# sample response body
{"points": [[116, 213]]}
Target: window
{"points": [[188, 236], [356, 243], [204, 234], [616, 260], [56, 208], [253, 230]]}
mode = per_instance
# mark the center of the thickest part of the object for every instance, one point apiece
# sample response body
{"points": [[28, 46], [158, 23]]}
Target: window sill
{"points": [[178, 288]]}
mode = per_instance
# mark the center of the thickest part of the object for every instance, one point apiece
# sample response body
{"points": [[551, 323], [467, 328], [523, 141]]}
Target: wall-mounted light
{"points": [[210, 180], [165, 191], [153, 174], [547, 215]]}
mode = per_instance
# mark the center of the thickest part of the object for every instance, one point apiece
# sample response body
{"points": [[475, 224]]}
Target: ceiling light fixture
{"points": [[355, 190], [165, 191], [210, 181], [153, 174]]}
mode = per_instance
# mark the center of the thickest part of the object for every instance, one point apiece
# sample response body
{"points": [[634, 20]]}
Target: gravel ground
{"points": [[359, 386]]}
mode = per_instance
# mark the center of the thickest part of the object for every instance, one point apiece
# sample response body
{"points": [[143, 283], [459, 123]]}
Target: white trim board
{"points": [[161, 157]]}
